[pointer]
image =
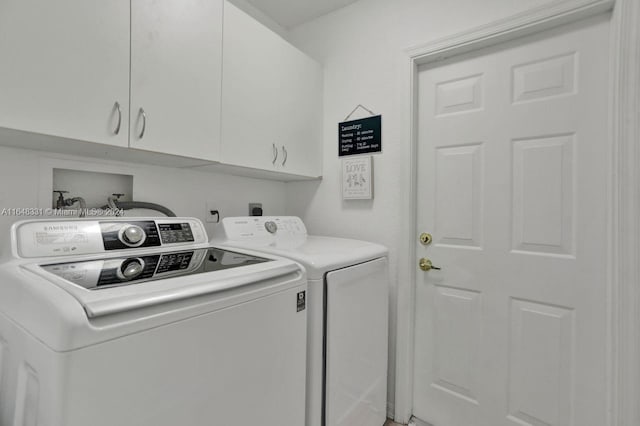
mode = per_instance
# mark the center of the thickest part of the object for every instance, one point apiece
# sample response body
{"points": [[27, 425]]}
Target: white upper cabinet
{"points": [[271, 100], [250, 91], [163, 78], [64, 68], [176, 53], [300, 109]]}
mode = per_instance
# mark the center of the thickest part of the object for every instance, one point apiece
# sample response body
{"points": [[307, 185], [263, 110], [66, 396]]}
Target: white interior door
{"points": [[512, 181]]}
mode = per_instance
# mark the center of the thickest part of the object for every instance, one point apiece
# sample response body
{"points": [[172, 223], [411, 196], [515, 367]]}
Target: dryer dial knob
{"points": [[132, 268], [271, 227], [132, 235]]}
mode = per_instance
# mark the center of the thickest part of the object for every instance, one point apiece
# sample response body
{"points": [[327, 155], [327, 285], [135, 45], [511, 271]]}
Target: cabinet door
{"points": [[65, 64], [300, 120], [251, 76], [176, 53]]}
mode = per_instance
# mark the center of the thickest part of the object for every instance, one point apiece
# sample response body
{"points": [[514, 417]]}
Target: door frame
{"points": [[623, 245]]}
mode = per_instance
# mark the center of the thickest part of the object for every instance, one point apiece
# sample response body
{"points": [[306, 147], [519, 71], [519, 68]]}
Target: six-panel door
{"points": [[512, 184]]}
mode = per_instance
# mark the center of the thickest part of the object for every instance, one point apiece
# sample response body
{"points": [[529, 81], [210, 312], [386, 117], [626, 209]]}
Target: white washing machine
{"points": [[140, 322], [348, 293]]}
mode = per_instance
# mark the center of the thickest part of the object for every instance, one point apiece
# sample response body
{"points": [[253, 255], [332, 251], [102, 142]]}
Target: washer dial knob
{"points": [[132, 235], [271, 227], [131, 268]]}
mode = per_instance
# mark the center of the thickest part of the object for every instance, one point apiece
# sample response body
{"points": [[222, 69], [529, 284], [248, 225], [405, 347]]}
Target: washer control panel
{"points": [[41, 238], [124, 235], [133, 235], [175, 233]]}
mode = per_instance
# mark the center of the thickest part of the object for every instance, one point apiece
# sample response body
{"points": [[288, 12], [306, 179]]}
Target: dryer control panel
{"points": [[41, 238], [263, 227]]}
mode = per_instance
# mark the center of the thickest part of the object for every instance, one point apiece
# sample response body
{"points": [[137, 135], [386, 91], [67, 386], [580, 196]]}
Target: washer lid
{"points": [[318, 255], [102, 286], [97, 274]]}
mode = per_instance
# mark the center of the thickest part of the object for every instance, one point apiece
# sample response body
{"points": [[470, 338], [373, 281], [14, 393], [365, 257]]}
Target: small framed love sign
{"points": [[357, 178]]}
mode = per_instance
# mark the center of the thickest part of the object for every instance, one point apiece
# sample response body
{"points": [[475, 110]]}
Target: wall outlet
{"points": [[255, 209], [212, 215]]}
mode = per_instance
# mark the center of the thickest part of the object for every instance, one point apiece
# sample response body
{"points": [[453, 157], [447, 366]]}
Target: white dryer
{"points": [[348, 293], [140, 322]]}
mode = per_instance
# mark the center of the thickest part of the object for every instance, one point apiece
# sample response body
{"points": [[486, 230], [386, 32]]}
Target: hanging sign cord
{"points": [[356, 108]]}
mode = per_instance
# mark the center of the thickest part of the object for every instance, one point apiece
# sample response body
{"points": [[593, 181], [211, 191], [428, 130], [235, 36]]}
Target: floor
{"points": [[391, 423]]}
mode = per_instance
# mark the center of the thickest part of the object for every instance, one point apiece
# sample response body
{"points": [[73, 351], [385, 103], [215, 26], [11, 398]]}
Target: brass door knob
{"points": [[426, 265], [426, 238]]}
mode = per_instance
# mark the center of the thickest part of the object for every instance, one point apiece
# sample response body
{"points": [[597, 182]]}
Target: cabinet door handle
{"points": [[275, 154], [117, 107], [144, 123], [286, 155]]}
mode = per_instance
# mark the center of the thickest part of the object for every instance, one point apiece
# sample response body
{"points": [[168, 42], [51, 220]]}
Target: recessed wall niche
{"points": [[94, 187]]}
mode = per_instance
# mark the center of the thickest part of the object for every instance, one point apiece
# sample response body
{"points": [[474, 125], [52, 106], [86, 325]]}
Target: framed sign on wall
{"points": [[360, 136], [357, 178]]}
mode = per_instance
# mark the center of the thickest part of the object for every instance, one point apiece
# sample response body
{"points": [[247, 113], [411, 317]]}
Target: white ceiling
{"points": [[289, 13]]}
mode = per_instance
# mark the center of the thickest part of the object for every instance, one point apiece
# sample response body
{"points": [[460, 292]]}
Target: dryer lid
{"points": [[318, 255], [286, 236]]}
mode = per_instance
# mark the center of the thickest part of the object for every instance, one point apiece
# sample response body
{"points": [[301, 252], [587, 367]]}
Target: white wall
{"points": [[26, 179], [361, 47]]}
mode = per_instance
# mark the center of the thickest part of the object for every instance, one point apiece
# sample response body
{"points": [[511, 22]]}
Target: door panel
{"points": [[512, 185], [541, 353], [457, 320], [459, 171], [543, 203]]}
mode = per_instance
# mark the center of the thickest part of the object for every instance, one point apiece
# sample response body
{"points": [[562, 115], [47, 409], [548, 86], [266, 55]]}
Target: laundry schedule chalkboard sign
{"points": [[361, 136]]}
